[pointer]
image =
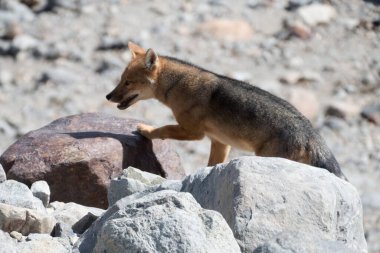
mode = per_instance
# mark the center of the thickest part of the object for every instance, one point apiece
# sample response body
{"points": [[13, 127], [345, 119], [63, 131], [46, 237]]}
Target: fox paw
{"points": [[145, 130]]}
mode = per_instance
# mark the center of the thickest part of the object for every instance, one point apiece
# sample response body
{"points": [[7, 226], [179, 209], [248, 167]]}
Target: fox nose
{"points": [[109, 96]]}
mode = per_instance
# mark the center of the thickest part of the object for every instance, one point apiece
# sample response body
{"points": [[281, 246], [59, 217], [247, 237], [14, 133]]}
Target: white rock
{"points": [[24, 42], [7, 243], [25, 220], [41, 190], [300, 243], [315, 14], [164, 221], [71, 213], [261, 197], [131, 181], [18, 194], [45, 244], [3, 176]]}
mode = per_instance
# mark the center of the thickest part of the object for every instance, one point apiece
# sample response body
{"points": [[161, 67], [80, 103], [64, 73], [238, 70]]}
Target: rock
{"points": [[17, 194], [299, 29], [90, 149], [7, 244], [25, 220], [19, 11], [316, 13], [17, 235], [343, 110], [37, 243], [372, 113], [60, 76], [3, 176], [131, 181], [23, 42], [165, 221], [78, 217], [83, 224], [41, 190], [225, 29], [261, 197], [62, 230], [300, 243], [6, 77], [294, 4]]}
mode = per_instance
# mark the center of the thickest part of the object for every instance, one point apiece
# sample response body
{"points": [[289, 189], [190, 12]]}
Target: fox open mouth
{"points": [[126, 103]]}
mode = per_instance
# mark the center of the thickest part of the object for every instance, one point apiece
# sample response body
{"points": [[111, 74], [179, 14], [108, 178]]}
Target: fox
{"points": [[228, 111]]}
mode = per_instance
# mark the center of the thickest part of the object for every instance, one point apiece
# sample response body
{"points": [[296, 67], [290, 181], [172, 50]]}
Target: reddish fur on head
{"points": [[138, 79]]}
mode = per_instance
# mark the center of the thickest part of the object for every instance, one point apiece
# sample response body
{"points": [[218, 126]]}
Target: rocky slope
{"points": [[62, 57]]}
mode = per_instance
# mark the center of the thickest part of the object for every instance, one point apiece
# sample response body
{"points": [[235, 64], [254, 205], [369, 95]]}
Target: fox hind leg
{"points": [[218, 153]]}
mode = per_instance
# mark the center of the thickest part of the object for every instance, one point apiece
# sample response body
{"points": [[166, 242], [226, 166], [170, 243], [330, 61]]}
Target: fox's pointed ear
{"points": [[135, 49], [151, 59]]}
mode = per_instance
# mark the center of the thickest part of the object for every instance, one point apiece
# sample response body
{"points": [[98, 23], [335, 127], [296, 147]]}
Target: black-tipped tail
{"points": [[326, 160]]}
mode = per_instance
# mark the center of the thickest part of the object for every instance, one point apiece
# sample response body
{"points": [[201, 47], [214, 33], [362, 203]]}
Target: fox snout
{"points": [[109, 96]]}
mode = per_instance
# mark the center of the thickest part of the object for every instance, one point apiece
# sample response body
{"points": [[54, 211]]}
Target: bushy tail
{"points": [[323, 158]]}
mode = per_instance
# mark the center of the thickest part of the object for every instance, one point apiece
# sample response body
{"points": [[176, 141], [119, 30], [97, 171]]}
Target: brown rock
{"points": [[78, 155]]}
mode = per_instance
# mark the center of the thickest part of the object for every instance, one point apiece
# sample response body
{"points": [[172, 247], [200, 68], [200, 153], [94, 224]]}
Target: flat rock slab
{"points": [[78, 155]]}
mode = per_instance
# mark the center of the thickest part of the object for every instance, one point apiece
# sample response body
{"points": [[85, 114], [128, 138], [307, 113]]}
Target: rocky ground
{"points": [[62, 57]]}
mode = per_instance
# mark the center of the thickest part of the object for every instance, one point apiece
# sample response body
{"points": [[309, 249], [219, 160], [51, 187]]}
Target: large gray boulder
{"points": [[37, 243], [17, 194], [7, 243], [164, 221], [262, 197], [295, 242]]}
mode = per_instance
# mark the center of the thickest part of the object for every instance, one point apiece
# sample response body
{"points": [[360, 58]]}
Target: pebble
{"points": [[226, 29], [316, 14], [372, 113], [41, 190]]}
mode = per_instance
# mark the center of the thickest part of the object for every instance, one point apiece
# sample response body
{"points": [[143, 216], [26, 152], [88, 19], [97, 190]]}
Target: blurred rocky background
{"points": [[61, 57]]}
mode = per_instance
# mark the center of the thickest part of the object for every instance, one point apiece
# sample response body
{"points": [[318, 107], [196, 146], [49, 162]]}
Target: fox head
{"points": [[138, 79]]}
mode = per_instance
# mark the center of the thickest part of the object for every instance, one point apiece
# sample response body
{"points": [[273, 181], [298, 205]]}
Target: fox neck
{"points": [[170, 75]]}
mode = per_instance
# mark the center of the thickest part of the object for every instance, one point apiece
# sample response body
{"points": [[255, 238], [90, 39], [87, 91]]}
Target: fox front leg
{"points": [[169, 132]]}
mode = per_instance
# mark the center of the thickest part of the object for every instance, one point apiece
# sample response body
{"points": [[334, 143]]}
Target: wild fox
{"points": [[228, 111]]}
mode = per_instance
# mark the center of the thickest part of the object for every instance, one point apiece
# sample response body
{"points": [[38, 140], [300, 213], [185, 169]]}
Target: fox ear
{"points": [[135, 49], [151, 59]]}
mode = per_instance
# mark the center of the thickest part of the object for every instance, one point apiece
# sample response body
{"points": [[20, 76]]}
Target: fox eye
{"points": [[126, 83]]}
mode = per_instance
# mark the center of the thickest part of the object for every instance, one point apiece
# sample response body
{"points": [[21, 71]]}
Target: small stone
{"points": [[16, 235], [24, 42], [84, 223], [60, 76], [226, 29], [6, 77], [342, 109], [41, 190], [3, 176], [300, 30], [372, 113], [62, 229], [316, 14]]}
